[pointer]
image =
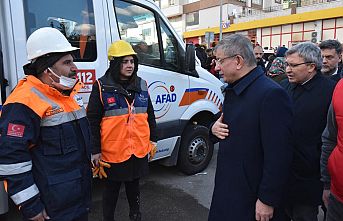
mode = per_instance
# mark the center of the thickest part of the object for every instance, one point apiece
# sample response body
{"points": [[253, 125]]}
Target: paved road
{"points": [[166, 194]]}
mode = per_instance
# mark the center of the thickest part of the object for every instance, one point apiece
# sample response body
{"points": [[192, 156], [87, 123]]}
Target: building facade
{"points": [[269, 23]]}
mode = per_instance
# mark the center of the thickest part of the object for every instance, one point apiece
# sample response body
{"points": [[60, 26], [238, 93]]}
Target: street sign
{"points": [[225, 24]]}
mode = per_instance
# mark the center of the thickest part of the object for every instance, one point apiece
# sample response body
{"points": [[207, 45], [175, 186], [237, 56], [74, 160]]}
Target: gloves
{"points": [[153, 150], [99, 170]]}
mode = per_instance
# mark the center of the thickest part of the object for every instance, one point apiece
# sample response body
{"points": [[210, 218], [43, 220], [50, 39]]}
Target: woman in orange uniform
{"points": [[123, 126]]}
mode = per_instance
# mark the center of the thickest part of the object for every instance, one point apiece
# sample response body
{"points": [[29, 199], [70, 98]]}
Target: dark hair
{"points": [[331, 44], [281, 51], [115, 66]]}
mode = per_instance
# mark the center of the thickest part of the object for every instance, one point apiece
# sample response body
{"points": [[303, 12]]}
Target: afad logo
{"points": [[163, 97]]}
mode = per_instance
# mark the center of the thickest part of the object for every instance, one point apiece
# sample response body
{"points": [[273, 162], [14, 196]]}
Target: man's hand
{"points": [[41, 216], [263, 211], [325, 197], [219, 129]]}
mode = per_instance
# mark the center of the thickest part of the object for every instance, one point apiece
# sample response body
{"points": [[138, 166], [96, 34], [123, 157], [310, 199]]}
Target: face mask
{"points": [[65, 81]]}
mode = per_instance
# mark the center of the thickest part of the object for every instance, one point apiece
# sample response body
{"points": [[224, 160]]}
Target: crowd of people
{"points": [[283, 160], [274, 64], [279, 132]]}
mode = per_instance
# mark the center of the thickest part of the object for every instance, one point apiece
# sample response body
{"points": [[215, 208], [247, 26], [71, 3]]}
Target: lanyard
{"points": [[132, 111]]}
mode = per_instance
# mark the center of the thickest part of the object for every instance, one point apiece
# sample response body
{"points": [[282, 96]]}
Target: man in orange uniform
{"points": [[45, 137]]}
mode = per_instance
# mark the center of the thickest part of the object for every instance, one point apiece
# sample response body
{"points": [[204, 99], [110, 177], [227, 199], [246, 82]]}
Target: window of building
{"points": [[75, 19], [257, 2], [192, 19]]}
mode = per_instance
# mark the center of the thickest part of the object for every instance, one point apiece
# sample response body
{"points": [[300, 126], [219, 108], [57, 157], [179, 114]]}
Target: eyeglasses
{"points": [[132, 61], [221, 60], [296, 65]]}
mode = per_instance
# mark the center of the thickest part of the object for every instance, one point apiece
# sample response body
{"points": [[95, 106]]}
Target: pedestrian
{"points": [[201, 54], [253, 132], [123, 126], [277, 70], [330, 161], [270, 61], [45, 141], [210, 63], [258, 52], [331, 53], [311, 95]]}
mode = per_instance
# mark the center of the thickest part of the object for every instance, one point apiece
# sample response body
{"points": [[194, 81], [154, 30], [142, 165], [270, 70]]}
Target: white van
{"points": [[185, 96]]}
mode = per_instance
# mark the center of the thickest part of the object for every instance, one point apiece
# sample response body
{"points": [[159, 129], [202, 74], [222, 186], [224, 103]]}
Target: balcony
{"points": [[173, 10]]}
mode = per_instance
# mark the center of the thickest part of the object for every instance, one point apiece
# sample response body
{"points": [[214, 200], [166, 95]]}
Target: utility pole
{"points": [[220, 21]]}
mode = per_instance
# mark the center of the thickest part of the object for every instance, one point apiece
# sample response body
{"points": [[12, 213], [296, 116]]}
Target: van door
{"points": [[81, 22], [160, 57]]}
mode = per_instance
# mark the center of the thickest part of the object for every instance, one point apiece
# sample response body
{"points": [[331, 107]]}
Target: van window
{"points": [[74, 18], [150, 38], [170, 47]]}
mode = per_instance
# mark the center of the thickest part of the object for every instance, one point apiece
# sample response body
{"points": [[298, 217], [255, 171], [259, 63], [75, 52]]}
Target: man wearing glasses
{"points": [[253, 132], [311, 93]]}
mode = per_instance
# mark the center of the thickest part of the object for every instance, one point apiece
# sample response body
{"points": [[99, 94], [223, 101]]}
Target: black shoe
{"points": [[135, 216]]}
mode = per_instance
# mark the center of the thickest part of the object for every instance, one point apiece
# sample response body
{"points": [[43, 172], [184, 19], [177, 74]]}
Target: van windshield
{"points": [[73, 18]]}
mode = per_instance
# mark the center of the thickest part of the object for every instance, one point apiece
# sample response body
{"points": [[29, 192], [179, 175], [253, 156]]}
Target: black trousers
{"points": [[111, 193], [300, 212], [83, 217], [335, 209]]}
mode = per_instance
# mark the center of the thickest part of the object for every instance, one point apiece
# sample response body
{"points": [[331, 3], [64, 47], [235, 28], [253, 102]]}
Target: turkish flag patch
{"points": [[111, 100], [15, 130]]}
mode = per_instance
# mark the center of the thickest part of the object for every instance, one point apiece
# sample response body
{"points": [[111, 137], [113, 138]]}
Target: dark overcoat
{"points": [[254, 160], [311, 104]]}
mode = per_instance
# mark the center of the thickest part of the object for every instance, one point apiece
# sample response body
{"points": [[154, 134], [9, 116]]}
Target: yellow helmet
{"points": [[119, 49]]}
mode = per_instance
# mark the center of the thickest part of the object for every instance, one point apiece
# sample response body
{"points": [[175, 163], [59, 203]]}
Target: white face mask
{"points": [[65, 81]]}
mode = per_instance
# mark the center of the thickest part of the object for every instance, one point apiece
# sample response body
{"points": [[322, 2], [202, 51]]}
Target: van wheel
{"points": [[196, 150]]}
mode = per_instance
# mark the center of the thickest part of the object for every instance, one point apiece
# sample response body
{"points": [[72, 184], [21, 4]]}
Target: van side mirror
{"points": [[190, 59]]}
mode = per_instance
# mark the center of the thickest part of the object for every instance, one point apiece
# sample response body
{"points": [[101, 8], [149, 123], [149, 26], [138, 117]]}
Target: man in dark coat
{"points": [[201, 54], [311, 94], [254, 152], [331, 53], [258, 51]]}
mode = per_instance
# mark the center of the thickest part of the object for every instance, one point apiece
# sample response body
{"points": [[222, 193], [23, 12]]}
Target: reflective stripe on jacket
{"points": [[335, 163], [124, 127], [45, 151]]}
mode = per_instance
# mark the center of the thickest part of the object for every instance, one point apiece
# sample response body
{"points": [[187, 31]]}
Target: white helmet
{"points": [[45, 41]]}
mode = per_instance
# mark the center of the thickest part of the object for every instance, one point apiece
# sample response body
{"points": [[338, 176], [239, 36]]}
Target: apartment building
{"points": [[270, 23]]}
